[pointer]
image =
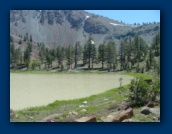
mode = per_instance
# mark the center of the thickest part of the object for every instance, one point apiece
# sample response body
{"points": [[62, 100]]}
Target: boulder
{"points": [[125, 107], [81, 106], [83, 110], [86, 119], [150, 104], [127, 120], [12, 112], [125, 114], [155, 111], [145, 110], [113, 117], [85, 102]]}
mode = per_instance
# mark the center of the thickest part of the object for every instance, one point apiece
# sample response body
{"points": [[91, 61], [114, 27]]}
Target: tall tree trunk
{"points": [[92, 63], [75, 61]]}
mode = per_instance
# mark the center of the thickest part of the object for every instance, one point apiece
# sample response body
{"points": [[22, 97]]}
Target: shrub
{"points": [[140, 92]]}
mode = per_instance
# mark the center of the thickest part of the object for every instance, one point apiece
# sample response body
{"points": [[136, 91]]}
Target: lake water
{"points": [[29, 90]]}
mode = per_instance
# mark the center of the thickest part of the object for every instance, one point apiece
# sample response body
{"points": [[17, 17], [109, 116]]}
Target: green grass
{"points": [[55, 72], [144, 76]]}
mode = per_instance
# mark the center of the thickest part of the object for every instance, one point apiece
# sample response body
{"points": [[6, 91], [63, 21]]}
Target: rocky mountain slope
{"points": [[63, 27]]}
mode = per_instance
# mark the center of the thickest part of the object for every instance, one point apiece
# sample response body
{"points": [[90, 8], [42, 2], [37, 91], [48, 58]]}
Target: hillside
{"points": [[64, 27]]}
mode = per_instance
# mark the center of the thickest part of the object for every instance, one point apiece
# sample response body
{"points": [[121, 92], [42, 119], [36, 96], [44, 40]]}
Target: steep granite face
{"points": [[75, 17], [94, 26], [64, 27]]}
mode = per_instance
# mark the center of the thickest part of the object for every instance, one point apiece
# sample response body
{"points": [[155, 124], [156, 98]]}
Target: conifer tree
{"points": [[102, 54], [111, 55]]}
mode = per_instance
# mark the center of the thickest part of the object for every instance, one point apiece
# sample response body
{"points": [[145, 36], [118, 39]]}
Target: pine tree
{"points": [[78, 52], [101, 54], [85, 55], [69, 56], [122, 54], [15, 55], [140, 48], [111, 55], [129, 50], [89, 51], [156, 45], [61, 56], [88, 48], [151, 56], [42, 53], [93, 55], [27, 54]]}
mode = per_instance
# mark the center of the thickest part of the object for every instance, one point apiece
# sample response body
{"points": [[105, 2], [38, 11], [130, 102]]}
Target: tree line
{"points": [[127, 56]]}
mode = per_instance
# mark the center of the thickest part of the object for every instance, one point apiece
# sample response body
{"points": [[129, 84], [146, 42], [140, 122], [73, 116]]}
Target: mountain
{"points": [[64, 27]]}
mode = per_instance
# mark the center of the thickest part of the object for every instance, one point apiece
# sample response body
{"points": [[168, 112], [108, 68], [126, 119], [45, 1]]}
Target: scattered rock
{"points": [[12, 112], [128, 120], [106, 99], [154, 118], [81, 106], [150, 104], [126, 114], [83, 110], [86, 119], [50, 120], [73, 113], [85, 102], [50, 117], [30, 117], [145, 110], [155, 111], [119, 92]]}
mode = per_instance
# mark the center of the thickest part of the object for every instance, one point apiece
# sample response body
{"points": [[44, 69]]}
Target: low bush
{"points": [[140, 92]]}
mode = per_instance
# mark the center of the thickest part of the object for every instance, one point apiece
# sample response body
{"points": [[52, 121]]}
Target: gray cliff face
{"points": [[64, 27]]}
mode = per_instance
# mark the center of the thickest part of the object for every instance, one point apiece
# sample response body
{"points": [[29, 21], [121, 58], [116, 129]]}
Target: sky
{"points": [[130, 16]]}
